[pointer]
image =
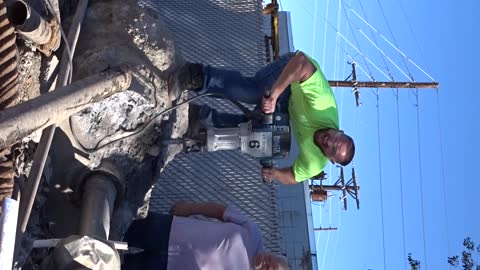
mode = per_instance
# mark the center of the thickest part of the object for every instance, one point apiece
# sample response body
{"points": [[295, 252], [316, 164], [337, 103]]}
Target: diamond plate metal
{"points": [[224, 33]]}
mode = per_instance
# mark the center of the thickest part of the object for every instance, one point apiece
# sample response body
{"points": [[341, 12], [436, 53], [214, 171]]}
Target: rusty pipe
{"points": [[52, 108], [30, 24]]}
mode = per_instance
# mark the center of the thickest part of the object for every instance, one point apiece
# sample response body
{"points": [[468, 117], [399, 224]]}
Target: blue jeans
{"points": [[152, 235], [233, 85]]}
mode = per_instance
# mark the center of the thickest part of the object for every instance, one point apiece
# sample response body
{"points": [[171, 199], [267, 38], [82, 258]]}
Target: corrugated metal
{"points": [[8, 93], [226, 33]]}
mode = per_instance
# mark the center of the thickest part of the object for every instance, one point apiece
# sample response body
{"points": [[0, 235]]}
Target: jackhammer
{"points": [[265, 137]]}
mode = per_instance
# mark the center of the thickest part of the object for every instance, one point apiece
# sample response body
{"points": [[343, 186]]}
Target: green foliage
{"points": [[414, 264], [453, 261], [469, 257], [468, 261]]}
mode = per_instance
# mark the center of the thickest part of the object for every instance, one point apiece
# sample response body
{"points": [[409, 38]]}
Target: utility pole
{"points": [[325, 229], [350, 187], [353, 83], [272, 9]]}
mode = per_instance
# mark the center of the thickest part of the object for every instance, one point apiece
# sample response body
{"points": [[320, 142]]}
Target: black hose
{"points": [[140, 129]]}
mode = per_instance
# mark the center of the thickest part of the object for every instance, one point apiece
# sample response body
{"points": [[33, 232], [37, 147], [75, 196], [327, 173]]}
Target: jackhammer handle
{"points": [[266, 164], [267, 117], [267, 94]]}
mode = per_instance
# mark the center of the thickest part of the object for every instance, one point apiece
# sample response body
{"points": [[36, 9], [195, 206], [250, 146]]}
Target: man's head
{"points": [[335, 145], [268, 261]]}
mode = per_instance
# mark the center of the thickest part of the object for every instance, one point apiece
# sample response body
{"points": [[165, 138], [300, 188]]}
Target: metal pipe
{"points": [[98, 199], [30, 24], [50, 243], [8, 227], [52, 108]]}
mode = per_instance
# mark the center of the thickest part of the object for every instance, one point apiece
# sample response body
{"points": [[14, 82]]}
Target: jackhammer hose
{"points": [[113, 138]]}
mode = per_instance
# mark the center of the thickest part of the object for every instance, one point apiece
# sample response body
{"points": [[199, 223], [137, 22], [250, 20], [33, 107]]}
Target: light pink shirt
{"points": [[213, 245]]}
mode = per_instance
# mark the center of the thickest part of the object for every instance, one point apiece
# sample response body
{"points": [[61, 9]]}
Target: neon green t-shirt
{"points": [[312, 106]]}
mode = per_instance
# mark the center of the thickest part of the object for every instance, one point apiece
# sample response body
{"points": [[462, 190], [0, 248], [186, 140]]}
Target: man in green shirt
{"points": [[296, 84]]}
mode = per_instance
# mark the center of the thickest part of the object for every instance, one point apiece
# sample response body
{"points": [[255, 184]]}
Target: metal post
{"points": [[8, 227], [98, 199]]}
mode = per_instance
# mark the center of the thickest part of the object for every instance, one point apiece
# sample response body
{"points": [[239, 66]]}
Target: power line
{"points": [[393, 36], [421, 180], [360, 52], [380, 178], [413, 33], [443, 173], [401, 181], [325, 35], [356, 42], [374, 39], [390, 43], [385, 56], [338, 234], [336, 41], [314, 29]]}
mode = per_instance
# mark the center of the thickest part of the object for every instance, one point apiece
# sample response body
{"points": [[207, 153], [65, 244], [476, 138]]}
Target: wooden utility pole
{"points": [[350, 187], [272, 9], [325, 229], [372, 84], [353, 83]]}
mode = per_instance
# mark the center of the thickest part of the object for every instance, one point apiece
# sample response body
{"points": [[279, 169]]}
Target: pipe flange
{"points": [[107, 168]]}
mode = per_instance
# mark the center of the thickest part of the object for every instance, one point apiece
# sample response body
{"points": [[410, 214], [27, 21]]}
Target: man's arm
{"points": [[283, 175], [298, 69], [208, 209]]}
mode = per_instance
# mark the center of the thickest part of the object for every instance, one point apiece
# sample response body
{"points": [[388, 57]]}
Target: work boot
{"points": [[189, 76]]}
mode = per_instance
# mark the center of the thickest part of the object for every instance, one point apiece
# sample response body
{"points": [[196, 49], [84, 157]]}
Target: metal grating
{"points": [[225, 33]]}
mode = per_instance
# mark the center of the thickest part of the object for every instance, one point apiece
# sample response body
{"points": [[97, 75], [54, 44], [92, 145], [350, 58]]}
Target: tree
{"points": [[469, 257], [414, 264]]}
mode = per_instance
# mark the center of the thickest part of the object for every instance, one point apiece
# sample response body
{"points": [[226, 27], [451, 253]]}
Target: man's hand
{"points": [[268, 174], [282, 175], [183, 209], [268, 104]]}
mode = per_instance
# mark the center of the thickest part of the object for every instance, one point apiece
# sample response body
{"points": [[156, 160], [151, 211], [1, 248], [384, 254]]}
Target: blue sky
{"points": [[434, 163]]}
